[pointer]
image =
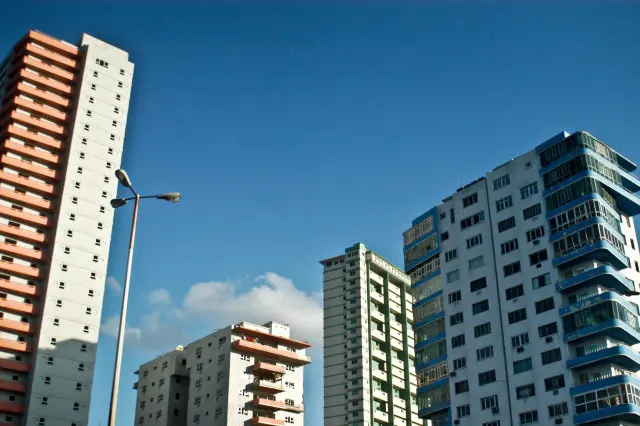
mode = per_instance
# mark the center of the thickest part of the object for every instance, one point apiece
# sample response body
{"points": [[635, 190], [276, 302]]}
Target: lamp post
{"points": [[172, 197]]}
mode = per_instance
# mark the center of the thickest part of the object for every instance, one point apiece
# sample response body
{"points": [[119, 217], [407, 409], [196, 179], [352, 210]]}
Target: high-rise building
{"points": [[525, 284], [241, 374], [369, 376], [63, 112]]}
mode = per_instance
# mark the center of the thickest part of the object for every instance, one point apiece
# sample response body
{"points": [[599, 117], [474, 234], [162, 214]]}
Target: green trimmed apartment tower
{"points": [[369, 374]]}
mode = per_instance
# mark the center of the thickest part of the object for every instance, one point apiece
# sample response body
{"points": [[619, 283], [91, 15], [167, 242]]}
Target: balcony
{"points": [[266, 368], [266, 421], [605, 275], [11, 386], [35, 169], [11, 365], [607, 399], [23, 234], [24, 181], [56, 44], [35, 137], [377, 297], [620, 355], [259, 349], [16, 326], [47, 69], [43, 95], [49, 54], [379, 355], [380, 395], [598, 249], [379, 374], [378, 335], [381, 416], [270, 404], [21, 252], [379, 316], [27, 199], [11, 407], [135, 385], [45, 81], [23, 289], [32, 152], [592, 299], [247, 331], [14, 346], [267, 386], [18, 307], [398, 383], [607, 318]]}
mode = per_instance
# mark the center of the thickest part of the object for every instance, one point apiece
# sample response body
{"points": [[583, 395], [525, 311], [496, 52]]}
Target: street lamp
{"points": [[172, 197]]}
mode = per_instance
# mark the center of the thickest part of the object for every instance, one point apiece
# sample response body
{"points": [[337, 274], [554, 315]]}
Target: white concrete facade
{"points": [[369, 376], [242, 374], [67, 131], [515, 250]]}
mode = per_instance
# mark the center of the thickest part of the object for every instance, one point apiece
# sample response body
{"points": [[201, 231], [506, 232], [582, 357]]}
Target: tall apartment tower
{"points": [[369, 376], [63, 110], [244, 374], [526, 284]]}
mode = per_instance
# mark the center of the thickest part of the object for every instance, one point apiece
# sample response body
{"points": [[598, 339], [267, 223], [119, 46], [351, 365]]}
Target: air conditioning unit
{"points": [[539, 265], [558, 421], [479, 292], [452, 374], [495, 410], [456, 422], [548, 339], [555, 392], [536, 242], [519, 349]]}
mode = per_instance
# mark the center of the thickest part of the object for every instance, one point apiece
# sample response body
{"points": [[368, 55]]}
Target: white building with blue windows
{"points": [[525, 286]]}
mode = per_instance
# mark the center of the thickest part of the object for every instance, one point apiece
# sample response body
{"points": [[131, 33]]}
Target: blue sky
{"points": [[295, 131]]}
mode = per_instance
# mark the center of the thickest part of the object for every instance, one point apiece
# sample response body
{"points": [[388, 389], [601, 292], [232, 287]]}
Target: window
{"points": [[517, 315], [86, 329], [452, 216], [456, 296], [549, 357], [544, 305], [78, 386], [476, 262], [110, 151], [112, 137], [525, 391], [474, 241], [472, 220], [504, 203], [529, 417], [532, 211], [484, 353], [80, 367], [541, 281], [88, 312], [528, 190], [464, 410], [59, 303], [451, 255], [444, 236], [535, 233], [520, 340], [118, 97], [116, 110], [512, 268], [120, 84], [453, 276], [522, 365], [480, 307], [554, 383], [54, 341], [538, 257], [486, 377], [501, 182], [489, 402], [455, 319], [90, 100], [102, 64], [482, 329], [93, 276], [548, 329], [460, 363], [461, 387], [45, 400], [457, 341], [50, 360], [470, 200], [478, 284], [47, 380], [558, 410], [509, 246], [506, 224], [515, 291], [88, 113]]}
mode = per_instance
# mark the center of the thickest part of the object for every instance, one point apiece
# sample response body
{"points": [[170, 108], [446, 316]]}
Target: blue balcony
{"points": [[427, 299], [594, 299], [606, 408], [604, 275], [625, 199], [431, 318], [424, 365], [425, 413], [621, 355], [615, 328], [430, 340], [585, 224], [600, 250], [434, 385]]}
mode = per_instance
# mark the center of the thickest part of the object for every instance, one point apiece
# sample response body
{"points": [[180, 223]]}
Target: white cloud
{"points": [[114, 285], [274, 298], [217, 304], [111, 325], [160, 297]]}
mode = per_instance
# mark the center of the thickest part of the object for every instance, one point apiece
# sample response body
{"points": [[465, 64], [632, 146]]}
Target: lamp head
{"points": [[123, 178], [118, 202], [172, 197]]}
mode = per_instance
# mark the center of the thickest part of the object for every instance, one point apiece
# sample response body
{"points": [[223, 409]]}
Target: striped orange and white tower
{"points": [[63, 113]]}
